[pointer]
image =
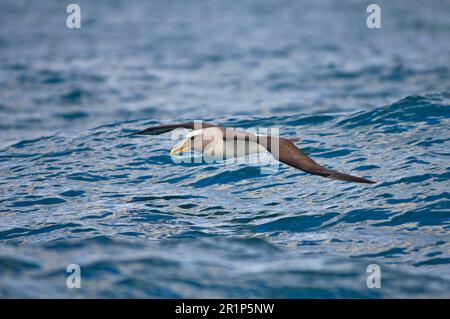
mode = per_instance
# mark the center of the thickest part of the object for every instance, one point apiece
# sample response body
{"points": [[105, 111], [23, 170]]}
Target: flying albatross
{"points": [[220, 142]]}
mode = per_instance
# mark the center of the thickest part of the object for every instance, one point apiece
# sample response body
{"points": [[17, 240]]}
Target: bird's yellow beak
{"points": [[183, 146]]}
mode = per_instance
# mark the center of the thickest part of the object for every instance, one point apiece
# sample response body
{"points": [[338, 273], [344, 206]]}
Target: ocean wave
{"points": [[430, 109], [151, 228]]}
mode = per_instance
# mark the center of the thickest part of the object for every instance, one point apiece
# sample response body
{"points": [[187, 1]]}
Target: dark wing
{"points": [[156, 130], [286, 152], [292, 156]]}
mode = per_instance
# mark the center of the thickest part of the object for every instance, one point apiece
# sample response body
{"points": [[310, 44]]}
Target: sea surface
{"points": [[76, 188]]}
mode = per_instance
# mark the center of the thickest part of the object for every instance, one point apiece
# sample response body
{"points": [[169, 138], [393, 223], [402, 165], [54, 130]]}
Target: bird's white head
{"points": [[187, 143]]}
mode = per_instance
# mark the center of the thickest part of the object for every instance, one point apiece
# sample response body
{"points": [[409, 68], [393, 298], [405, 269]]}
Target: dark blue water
{"points": [[76, 188]]}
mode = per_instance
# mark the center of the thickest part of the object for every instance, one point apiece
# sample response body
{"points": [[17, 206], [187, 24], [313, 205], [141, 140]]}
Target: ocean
{"points": [[76, 188]]}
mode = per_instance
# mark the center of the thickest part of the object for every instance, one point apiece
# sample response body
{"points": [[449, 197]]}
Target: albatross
{"points": [[220, 142]]}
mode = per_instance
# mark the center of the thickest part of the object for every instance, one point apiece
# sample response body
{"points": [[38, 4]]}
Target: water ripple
{"points": [[128, 189]]}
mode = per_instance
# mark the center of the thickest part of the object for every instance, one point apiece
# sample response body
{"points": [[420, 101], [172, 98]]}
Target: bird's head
{"points": [[188, 143]]}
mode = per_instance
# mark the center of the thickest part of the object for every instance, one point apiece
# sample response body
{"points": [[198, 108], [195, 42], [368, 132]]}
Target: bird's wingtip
{"points": [[135, 133], [346, 177]]}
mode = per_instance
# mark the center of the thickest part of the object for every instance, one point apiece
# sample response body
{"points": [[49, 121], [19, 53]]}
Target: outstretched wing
{"points": [[286, 152], [292, 156], [156, 130]]}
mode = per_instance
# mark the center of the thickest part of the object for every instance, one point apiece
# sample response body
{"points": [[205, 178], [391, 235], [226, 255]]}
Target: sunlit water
{"points": [[76, 188]]}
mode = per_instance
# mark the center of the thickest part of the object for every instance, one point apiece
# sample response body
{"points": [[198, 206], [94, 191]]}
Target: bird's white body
{"points": [[217, 148], [230, 149]]}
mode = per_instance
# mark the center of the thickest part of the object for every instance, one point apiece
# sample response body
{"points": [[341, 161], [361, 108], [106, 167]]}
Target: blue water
{"points": [[76, 188]]}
